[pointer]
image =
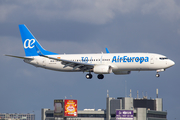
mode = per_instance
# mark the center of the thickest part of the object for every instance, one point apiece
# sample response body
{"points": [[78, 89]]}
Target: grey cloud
{"points": [[167, 9], [94, 12]]}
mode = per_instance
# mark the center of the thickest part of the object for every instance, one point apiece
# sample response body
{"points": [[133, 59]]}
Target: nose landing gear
{"points": [[159, 70], [157, 75]]}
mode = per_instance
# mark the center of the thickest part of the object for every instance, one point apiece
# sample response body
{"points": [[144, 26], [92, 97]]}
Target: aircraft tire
{"points": [[88, 76], [100, 76], [157, 75]]}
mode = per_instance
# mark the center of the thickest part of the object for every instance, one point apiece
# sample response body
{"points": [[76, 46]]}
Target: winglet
{"points": [[107, 51]]}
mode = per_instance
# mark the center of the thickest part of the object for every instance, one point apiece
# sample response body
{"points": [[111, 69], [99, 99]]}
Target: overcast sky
{"points": [[81, 26]]}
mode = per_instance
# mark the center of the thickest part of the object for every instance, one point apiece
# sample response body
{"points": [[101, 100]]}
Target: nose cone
{"points": [[171, 63]]}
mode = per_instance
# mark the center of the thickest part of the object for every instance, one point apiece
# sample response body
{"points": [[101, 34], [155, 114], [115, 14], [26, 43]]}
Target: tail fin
{"points": [[29, 43]]}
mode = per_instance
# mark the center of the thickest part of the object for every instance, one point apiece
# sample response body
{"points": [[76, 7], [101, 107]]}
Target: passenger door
{"points": [[152, 60]]}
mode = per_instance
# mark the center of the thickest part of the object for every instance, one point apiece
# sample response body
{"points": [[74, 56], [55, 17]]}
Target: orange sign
{"points": [[70, 108]]}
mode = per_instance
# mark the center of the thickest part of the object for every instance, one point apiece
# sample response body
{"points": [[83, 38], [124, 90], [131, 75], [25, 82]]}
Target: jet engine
{"points": [[102, 69]]}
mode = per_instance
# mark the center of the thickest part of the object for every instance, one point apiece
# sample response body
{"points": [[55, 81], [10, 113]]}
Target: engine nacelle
{"points": [[102, 69], [119, 72]]}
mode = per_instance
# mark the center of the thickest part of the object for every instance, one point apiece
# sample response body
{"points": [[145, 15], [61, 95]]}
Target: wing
{"points": [[73, 64], [66, 63]]}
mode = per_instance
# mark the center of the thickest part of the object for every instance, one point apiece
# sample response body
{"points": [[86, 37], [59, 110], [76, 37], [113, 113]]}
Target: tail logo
{"points": [[28, 43]]}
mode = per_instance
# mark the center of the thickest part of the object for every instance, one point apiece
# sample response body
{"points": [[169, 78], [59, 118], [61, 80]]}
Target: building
{"points": [[16, 116], [86, 114], [143, 109]]}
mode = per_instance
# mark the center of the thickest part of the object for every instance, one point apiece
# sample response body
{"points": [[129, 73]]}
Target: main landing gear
{"points": [[89, 76], [100, 76]]}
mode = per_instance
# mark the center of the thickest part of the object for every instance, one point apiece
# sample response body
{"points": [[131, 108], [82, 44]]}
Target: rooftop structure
{"points": [[142, 108], [16, 116]]}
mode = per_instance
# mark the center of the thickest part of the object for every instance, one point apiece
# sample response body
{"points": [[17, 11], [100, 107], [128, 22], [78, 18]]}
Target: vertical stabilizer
{"points": [[30, 42]]}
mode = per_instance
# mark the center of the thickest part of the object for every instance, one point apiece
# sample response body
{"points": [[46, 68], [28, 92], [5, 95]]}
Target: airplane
{"points": [[103, 63]]}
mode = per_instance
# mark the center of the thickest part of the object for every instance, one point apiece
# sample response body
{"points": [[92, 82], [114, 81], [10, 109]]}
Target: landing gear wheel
{"points": [[157, 75], [88, 76], [100, 76]]}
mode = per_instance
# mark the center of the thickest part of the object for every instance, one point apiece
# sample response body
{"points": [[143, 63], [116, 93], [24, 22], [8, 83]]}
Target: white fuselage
{"points": [[118, 61]]}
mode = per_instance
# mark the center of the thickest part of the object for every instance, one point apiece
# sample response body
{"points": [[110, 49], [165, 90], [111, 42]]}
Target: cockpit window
{"points": [[163, 58]]}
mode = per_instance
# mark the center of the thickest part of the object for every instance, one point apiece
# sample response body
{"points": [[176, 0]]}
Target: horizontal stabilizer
{"points": [[19, 57]]}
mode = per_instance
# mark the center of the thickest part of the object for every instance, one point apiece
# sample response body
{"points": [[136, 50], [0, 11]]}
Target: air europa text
{"points": [[130, 59]]}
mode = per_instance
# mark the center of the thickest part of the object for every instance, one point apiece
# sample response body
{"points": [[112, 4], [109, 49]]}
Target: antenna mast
{"points": [[137, 94], [107, 93], [156, 93], [130, 93], [125, 89]]}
